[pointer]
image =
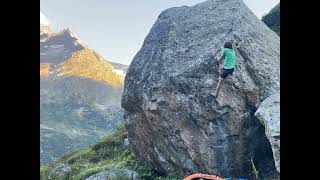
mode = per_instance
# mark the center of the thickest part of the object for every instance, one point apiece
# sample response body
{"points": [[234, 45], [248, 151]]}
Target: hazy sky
{"points": [[116, 28]]}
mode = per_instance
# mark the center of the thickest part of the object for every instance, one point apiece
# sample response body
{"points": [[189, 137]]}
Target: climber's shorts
{"points": [[225, 72]]}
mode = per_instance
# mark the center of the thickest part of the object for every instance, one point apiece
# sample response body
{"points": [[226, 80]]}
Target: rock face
{"points": [[174, 123], [58, 47], [269, 115], [272, 19], [44, 31], [62, 170]]}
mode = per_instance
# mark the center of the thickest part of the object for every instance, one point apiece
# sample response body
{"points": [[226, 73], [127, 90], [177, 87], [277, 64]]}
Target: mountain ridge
{"points": [[80, 94]]}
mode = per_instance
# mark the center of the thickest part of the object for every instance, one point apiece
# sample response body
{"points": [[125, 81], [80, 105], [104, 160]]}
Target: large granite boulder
{"points": [[269, 115], [174, 123]]}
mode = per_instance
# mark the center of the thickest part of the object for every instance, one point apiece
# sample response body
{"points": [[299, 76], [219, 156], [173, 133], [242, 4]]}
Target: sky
{"points": [[116, 28]]}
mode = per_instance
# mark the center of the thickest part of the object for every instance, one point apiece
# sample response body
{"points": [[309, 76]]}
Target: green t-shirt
{"points": [[229, 58]]}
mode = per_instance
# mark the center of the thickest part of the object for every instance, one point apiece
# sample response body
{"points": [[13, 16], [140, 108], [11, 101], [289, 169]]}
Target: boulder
{"points": [[174, 123], [269, 115], [61, 171]]}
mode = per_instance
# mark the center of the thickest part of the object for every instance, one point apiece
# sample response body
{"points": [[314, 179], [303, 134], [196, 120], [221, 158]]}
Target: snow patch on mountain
{"points": [[120, 72]]}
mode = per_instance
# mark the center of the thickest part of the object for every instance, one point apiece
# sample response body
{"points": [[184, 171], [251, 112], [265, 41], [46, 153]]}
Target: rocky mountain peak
{"points": [[80, 94], [45, 31]]}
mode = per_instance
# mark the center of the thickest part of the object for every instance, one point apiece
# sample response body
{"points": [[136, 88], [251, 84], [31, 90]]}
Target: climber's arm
{"points": [[221, 61]]}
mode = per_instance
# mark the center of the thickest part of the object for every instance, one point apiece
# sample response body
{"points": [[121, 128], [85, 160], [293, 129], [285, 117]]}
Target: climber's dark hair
{"points": [[228, 45]]}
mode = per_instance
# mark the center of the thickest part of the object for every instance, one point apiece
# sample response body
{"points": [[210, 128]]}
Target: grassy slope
{"points": [[109, 153]]}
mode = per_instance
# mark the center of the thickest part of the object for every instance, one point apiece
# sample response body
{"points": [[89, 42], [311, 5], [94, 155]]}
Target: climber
{"points": [[227, 67]]}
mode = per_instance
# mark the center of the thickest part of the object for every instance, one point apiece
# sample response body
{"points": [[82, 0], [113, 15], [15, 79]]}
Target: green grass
{"points": [[108, 154], [43, 172]]}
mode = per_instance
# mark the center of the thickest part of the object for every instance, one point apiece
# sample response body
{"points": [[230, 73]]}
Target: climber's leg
{"points": [[218, 86], [223, 75]]}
